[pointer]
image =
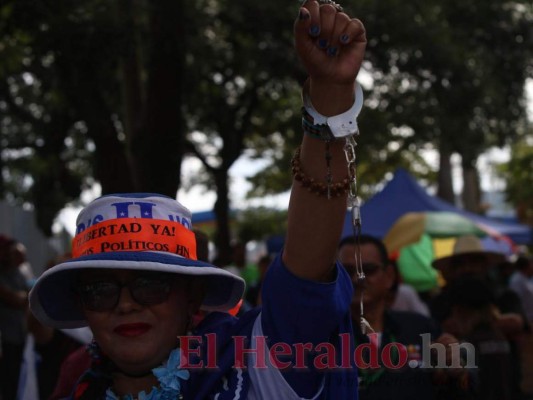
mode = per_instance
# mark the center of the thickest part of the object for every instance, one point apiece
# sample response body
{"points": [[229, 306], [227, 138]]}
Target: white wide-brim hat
{"points": [[142, 232], [468, 245]]}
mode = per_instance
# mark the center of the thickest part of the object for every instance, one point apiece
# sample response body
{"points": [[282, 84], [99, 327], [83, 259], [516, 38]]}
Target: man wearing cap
{"points": [[136, 281]]}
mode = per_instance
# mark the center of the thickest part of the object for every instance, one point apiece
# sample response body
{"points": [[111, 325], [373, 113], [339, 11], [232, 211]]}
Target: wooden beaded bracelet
{"points": [[335, 189]]}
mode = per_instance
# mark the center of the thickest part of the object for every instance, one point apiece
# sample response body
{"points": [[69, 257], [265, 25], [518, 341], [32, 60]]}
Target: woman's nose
{"points": [[126, 303]]}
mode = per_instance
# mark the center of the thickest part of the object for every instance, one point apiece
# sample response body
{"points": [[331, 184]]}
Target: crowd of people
{"points": [[326, 318], [485, 303]]}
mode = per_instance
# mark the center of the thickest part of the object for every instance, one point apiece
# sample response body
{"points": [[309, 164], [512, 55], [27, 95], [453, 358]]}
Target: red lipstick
{"points": [[132, 330]]}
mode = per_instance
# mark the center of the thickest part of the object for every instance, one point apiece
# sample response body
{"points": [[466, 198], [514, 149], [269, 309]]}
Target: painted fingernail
{"points": [[304, 14], [322, 43], [332, 51], [345, 38], [314, 30]]}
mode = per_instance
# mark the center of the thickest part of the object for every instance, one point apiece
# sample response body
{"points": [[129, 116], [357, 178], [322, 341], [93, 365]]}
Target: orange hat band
{"points": [[135, 234]]}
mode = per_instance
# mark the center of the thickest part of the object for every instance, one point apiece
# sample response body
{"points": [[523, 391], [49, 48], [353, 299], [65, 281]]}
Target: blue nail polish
{"points": [[322, 43], [314, 30], [345, 38], [303, 15], [332, 51]]}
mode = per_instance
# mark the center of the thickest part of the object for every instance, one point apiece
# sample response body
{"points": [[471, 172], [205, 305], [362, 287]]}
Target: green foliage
{"points": [[518, 174], [446, 76], [260, 223], [239, 74], [240, 87], [116, 92], [48, 69], [453, 72], [81, 100]]}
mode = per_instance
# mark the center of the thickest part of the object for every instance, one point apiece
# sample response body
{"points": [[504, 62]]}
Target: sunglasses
{"points": [[369, 269], [103, 295]]}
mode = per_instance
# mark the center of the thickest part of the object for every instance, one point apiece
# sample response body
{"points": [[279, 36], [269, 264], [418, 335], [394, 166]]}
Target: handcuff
{"points": [[333, 127]]}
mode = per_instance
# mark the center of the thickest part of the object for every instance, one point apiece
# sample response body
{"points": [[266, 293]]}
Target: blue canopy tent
{"points": [[403, 194]]}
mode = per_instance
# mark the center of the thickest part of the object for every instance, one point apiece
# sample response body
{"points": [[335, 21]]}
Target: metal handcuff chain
{"points": [[354, 204]]}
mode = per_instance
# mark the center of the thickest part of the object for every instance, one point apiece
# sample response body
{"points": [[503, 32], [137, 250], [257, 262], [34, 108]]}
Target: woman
{"points": [[135, 280]]}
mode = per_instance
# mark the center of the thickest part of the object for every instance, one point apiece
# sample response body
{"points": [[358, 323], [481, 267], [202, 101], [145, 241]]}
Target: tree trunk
{"points": [[130, 72], [445, 182], [222, 236], [157, 150], [110, 166], [471, 194]]}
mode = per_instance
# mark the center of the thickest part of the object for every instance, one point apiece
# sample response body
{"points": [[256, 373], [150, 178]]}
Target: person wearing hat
{"points": [[135, 280], [470, 260]]}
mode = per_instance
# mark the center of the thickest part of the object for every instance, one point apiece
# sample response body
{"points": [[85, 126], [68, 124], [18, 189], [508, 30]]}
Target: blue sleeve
{"points": [[296, 310]]}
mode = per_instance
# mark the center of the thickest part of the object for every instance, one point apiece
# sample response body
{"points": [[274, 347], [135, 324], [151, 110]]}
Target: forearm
{"points": [[315, 222]]}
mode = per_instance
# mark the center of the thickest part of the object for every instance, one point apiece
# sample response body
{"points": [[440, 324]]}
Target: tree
{"points": [[259, 223], [452, 72], [110, 74], [116, 92], [518, 175], [446, 76], [118, 69], [242, 82]]}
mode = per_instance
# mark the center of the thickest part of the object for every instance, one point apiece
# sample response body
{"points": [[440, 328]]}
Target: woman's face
{"points": [[137, 332]]}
